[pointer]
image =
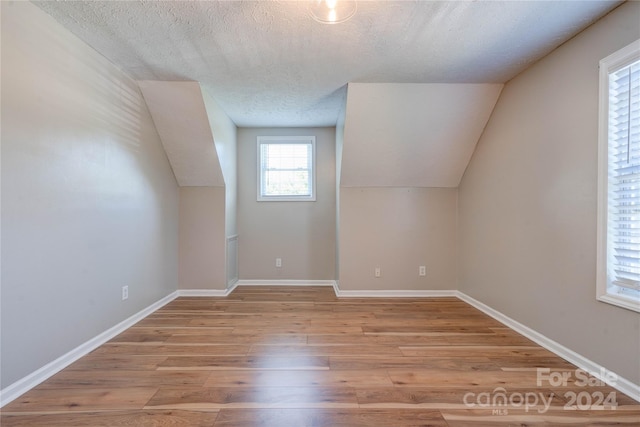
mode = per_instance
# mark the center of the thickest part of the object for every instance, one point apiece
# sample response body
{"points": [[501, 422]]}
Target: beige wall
{"points": [[398, 230], [528, 203], [339, 147], [410, 134], [89, 202], [301, 233], [202, 238], [225, 138]]}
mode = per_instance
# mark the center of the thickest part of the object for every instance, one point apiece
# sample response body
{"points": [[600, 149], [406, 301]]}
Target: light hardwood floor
{"points": [[285, 356]]}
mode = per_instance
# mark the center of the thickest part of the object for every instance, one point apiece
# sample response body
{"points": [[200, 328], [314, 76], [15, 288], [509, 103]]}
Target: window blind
{"points": [[286, 168], [624, 177]]}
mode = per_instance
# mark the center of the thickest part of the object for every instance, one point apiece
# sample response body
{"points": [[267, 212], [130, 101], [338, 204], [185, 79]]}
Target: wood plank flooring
{"points": [[285, 356]]}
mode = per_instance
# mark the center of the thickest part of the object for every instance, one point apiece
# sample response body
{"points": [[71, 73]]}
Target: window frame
{"points": [[604, 291], [300, 140]]}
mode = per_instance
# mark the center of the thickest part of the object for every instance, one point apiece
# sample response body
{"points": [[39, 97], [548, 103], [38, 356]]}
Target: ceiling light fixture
{"points": [[332, 11]]}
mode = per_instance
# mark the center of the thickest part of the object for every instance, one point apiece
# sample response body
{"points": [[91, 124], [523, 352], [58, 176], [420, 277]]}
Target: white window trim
{"points": [[287, 140], [611, 63]]}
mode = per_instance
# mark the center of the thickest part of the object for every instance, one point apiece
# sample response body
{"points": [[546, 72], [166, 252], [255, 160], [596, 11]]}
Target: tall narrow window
{"points": [[286, 169], [619, 179]]}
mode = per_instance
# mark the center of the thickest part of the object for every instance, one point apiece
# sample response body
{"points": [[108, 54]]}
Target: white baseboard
{"points": [[207, 292], [389, 293], [286, 283], [232, 284], [395, 294], [202, 292], [23, 385], [622, 384], [18, 388]]}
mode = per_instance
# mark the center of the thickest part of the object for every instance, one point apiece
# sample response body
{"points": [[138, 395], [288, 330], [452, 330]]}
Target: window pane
{"points": [[286, 169], [290, 183], [286, 156], [624, 180]]}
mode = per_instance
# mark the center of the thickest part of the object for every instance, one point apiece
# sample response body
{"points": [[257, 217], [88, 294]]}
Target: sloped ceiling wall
{"points": [[393, 134], [180, 116], [412, 135]]}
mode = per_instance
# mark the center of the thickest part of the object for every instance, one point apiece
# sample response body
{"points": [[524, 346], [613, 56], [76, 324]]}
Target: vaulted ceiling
{"points": [[412, 82], [413, 134], [267, 63], [180, 116]]}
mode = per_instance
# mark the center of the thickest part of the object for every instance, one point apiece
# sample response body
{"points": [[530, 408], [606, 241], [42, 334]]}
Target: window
{"points": [[618, 280], [286, 168]]}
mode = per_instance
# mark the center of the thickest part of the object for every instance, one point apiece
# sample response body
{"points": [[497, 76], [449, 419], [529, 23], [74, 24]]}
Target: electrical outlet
{"points": [[125, 292], [422, 270], [278, 262], [377, 272]]}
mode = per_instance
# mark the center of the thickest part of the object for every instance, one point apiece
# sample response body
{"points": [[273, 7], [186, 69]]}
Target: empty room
{"points": [[320, 213]]}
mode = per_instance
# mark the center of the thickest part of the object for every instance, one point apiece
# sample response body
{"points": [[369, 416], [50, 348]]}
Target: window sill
{"points": [[285, 199], [620, 301]]}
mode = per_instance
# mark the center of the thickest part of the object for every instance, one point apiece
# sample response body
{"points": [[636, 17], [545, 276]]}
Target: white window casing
{"points": [[618, 263], [286, 168]]}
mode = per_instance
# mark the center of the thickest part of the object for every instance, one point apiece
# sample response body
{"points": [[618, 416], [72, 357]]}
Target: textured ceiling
{"points": [[267, 63]]}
